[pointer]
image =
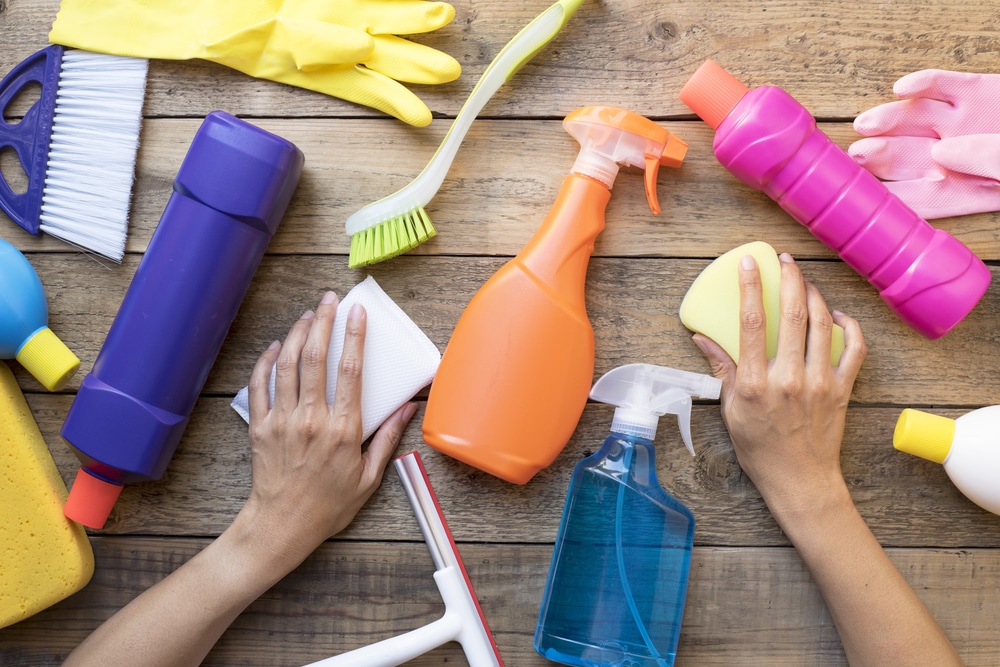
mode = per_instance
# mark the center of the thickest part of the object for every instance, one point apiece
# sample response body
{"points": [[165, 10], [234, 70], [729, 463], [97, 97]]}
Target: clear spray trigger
{"points": [[610, 137], [644, 392]]}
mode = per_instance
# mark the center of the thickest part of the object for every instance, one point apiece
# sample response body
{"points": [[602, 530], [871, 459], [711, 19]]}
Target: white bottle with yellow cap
{"points": [[968, 448]]}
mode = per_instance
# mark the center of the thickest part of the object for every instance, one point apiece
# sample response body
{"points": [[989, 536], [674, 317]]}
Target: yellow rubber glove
{"points": [[345, 48]]}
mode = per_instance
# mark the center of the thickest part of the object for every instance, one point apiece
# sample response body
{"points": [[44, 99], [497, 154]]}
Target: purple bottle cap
{"points": [[240, 170]]}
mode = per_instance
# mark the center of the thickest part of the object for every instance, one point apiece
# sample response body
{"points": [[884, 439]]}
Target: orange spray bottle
{"points": [[516, 373]]}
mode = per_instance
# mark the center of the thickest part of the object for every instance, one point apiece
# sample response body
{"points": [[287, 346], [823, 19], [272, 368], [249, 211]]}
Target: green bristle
{"points": [[426, 229], [392, 246], [390, 238]]}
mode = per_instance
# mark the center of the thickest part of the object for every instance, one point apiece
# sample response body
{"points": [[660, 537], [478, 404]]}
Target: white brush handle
{"points": [[420, 190], [461, 622]]}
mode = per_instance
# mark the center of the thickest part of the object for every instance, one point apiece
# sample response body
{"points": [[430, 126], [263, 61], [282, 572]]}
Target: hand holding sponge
{"points": [[46, 557], [712, 303]]}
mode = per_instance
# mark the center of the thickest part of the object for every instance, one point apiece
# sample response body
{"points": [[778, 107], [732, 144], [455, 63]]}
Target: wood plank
{"points": [[633, 307], [350, 594], [907, 501], [640, 51], [498, 190], [751, 600]]}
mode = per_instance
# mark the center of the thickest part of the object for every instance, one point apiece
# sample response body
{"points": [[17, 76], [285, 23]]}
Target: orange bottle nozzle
{"points": [[610, 137]]}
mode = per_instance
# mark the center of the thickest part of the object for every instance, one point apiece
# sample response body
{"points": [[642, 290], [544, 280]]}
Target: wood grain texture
{"points": [[637, 53], [907, 501], [349, 594], [751, 602], [496, 193], [632, 305]]}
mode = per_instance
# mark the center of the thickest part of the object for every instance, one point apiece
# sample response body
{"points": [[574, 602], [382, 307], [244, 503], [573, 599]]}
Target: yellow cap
{"points": [[48, 359], [923, 434]]}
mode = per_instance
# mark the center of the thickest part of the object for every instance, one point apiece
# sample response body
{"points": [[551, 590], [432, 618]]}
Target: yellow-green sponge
{"points": [[712, 303], [44, 557]]}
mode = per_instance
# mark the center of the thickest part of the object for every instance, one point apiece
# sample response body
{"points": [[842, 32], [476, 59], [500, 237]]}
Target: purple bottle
{"points": [[771, 143], [229, 195]]}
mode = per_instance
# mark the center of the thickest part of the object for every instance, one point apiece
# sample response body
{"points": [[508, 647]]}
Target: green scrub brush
{"points": [[398, 223]]}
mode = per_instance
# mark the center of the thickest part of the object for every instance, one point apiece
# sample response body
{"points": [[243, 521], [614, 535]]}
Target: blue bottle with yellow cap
{"points": [[24, 323]]}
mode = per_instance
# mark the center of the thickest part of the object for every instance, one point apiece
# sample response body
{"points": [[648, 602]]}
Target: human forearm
{"points": [[310, 476], [177, 621], [881, 621], [786, 417]]}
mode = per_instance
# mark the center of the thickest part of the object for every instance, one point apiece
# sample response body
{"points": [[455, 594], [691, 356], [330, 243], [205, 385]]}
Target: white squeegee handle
{"points": [[463, 620]]}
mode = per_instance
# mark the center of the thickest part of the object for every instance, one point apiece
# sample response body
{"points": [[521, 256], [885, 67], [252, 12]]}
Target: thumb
{"points": [[723, 366], [385, 441], [973, 154]]}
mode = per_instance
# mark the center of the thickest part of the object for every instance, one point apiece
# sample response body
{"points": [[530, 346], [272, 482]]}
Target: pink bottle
{"points": [[771, 143]]}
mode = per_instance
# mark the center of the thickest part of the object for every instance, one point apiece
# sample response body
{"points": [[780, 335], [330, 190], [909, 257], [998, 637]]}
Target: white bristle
{"points": [[91, 162]]}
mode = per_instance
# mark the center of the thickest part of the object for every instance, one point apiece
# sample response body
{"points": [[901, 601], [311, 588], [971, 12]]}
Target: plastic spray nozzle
{"points": [[644, 392], [610, 137]]}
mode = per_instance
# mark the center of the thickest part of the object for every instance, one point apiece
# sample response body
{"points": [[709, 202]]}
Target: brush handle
{"points": [[512, 57], [30, 137]]}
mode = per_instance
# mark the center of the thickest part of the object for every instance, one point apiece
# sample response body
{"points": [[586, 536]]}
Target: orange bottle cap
{"points": [[91, 499], [712, 92]]}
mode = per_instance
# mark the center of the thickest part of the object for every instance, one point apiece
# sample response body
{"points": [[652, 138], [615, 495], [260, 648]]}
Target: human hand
{"points": [[786, 417], [937, 148], [310, 476]]}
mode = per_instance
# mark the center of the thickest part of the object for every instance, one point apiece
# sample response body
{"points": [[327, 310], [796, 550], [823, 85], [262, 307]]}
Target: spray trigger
{"points": [[644, 392], [652, 170], [679, 403], [610, 137]]}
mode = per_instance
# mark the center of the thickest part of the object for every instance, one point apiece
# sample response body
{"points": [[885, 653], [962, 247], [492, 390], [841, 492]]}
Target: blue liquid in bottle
{"points": [[616, 587]]}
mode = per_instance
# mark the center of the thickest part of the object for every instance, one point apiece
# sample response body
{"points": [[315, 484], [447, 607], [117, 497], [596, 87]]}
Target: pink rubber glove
{"points": [[938, 148]]}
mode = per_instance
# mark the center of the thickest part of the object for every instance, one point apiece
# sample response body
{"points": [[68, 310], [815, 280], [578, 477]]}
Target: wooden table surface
{"points": [[750, 601]]}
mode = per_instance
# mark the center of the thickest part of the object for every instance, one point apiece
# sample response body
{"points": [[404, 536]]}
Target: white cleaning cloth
{"points": [[399, 358]]}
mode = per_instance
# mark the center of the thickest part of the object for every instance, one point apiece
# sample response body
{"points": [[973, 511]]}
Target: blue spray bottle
{"points": [[616, 586]]}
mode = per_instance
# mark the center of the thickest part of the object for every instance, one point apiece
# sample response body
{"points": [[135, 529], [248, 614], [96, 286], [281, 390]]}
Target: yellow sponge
{"points": [[44, 557], [712, 303]]}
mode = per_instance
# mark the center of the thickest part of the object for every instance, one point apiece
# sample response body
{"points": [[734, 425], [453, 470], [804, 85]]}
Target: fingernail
{"points": [[308, 315], [274, 345], [328, 298], [837, 313], [698, 342], [786, 258], [357, 312], [747, 262], [409, 411]]}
